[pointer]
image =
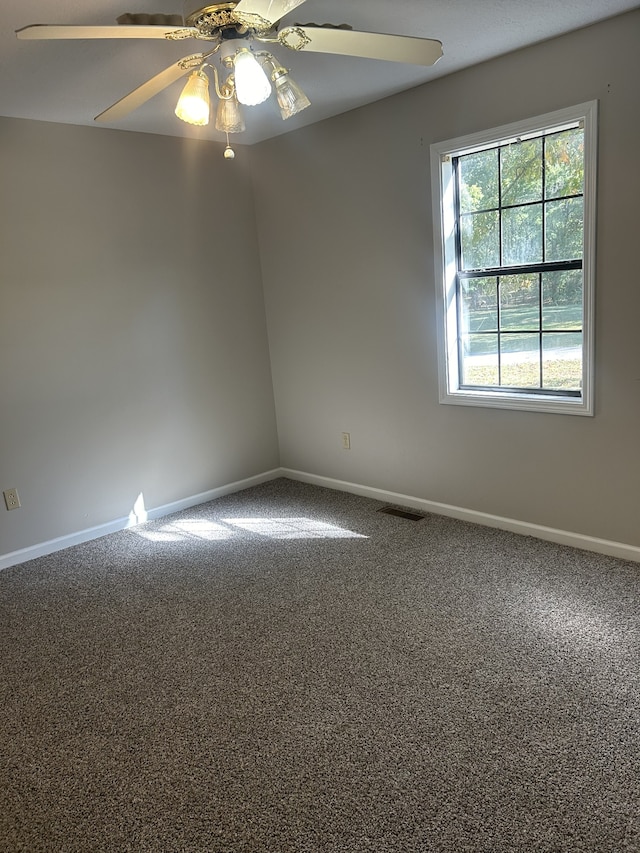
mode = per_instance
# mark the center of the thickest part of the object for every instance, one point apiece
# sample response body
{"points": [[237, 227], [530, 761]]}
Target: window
{"points": [[514, 214]]}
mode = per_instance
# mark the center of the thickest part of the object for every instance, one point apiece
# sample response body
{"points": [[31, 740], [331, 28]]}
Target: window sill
{"points": [[520, 402]]}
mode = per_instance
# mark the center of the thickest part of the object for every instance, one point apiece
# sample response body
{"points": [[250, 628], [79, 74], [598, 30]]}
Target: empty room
{"points": [[319, 396]]}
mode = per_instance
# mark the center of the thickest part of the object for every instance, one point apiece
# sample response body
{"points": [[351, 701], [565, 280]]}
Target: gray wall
{"points": [[345, 228], [133, 346]]}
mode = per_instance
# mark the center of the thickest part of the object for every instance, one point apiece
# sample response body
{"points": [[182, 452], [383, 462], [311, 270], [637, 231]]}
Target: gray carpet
{"points": [[287, 670]]}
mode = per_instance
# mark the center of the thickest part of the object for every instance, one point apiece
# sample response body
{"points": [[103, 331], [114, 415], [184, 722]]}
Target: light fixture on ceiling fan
{"points": [[251, 75], [248, 84]]}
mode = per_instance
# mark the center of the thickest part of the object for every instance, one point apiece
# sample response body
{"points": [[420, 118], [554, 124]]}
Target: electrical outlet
{"points": [[11, 498], [346, 441]]}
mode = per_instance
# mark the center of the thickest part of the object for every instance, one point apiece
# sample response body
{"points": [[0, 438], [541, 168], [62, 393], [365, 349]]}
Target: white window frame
{"points": [[445, 262]]}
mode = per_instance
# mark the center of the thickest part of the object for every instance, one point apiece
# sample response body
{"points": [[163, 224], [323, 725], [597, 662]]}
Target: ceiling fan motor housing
{"points": [[207, 19]]}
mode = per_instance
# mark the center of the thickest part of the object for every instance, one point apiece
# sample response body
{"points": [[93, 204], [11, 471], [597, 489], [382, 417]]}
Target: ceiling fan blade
{"points": [[152, 87], [407, 49], [263, 12], [46, 31]]}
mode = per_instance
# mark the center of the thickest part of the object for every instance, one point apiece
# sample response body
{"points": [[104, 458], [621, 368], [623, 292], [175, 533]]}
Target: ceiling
{"points": [[73, 81]]}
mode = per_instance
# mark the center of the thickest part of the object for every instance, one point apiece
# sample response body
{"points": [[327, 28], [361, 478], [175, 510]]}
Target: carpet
{"points": [[288, 670]]}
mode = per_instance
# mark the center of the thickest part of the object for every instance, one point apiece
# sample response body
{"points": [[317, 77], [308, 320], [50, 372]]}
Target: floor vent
{"points": [[401, 513]]}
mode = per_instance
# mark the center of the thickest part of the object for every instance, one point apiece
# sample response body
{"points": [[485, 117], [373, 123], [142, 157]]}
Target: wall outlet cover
{"points": [[11, 498]]}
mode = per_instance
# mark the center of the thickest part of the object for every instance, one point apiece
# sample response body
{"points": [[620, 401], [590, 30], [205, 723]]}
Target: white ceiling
{"points": [[73, 81]]}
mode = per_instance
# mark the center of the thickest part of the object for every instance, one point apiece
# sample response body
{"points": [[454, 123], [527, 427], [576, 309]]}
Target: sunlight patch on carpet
{"points": [[293, 528], [196, 528], [227, 528]]}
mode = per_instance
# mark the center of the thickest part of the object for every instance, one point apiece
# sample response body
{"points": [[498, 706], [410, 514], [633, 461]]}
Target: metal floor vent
{"points": [[401, 513]]}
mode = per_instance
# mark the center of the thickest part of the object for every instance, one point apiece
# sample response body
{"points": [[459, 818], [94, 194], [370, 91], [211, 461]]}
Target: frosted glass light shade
{"points": [[229, 116], [194, 103], [252, 84], [291, 98]]}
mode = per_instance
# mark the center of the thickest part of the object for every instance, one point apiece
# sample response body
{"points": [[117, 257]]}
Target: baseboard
{"points": [[44, 548], [550, 534]]}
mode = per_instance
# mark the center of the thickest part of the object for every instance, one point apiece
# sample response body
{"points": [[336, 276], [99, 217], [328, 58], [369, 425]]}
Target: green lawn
{"points": [[526, 317], [561, 374], [520, 322]]}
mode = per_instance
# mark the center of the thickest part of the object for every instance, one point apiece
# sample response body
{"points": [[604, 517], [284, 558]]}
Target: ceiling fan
{"points": [[236, 32]]}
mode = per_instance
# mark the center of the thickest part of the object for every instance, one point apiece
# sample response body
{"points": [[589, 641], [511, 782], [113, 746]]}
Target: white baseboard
{"points": [[550, 534], [44, 548]]}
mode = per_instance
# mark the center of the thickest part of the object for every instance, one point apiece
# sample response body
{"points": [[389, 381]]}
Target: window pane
{"points": [[562, 300], [563, 232], [521, 172], [562, 361], [520, 302], [522, 235], [479, 238], [479, 360], [520, 360], [479, 181], [564, 163], [479, 305]]}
